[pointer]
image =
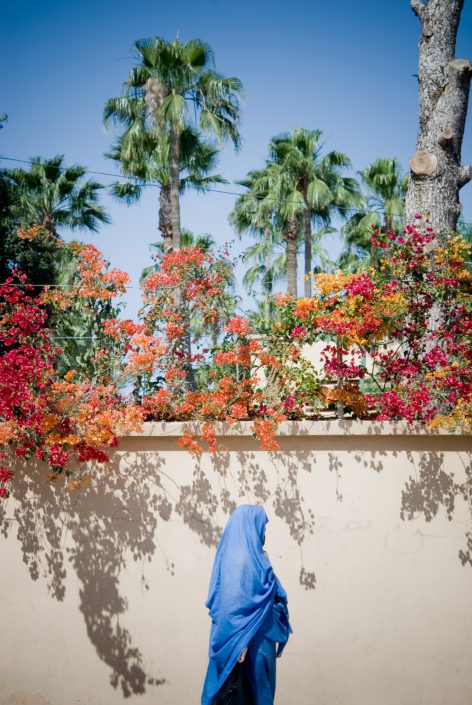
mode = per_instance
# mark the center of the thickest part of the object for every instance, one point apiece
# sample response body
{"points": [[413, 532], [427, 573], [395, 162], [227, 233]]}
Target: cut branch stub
{"points": [[445, 139], [417, 7], [465, 175], [423, 163], [461, 65]]}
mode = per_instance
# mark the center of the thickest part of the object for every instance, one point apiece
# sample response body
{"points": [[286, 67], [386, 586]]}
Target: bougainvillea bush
{"points": [[395, 344], [43, 415], [398, 339]]}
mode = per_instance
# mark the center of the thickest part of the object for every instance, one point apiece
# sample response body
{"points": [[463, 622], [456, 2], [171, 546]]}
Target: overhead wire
{"points": [[151, 182]]}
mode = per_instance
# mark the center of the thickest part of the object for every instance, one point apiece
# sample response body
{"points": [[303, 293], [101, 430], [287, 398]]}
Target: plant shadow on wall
{"points": [[432, 488], [219, 483], [282, 493], [97, 529]]}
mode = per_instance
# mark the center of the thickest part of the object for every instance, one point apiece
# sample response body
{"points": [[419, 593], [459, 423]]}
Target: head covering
{"points": [[242, 590]]}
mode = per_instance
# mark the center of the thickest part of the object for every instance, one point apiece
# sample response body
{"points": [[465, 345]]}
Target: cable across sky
{"points": [[149, 182]]}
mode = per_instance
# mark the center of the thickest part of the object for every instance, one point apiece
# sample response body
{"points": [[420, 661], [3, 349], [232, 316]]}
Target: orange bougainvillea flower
{"points": [[238, 326], [29, 233], [332, 283], [265, 430], [305, 307], [282, 299], [188, 443]]}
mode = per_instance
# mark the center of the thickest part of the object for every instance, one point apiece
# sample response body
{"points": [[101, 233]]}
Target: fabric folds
{"points": [[245, 597]]}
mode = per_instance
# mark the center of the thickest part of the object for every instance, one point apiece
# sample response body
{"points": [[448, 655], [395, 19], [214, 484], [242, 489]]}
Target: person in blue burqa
{"points": [[248, 608]]}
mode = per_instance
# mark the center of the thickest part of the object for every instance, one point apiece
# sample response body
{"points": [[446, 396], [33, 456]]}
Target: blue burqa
{"points": [[248, 607]]}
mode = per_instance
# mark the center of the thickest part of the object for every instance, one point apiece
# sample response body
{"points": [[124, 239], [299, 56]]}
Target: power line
{"points": [[149, 182], [343, 210], [135, 179], [87, 171]]}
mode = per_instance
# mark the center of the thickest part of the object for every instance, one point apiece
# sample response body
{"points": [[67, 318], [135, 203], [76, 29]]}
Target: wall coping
{"points": [[332, 427]]}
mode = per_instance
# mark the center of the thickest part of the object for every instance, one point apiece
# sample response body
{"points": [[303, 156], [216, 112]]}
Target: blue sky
{"points": [[344, 67]]}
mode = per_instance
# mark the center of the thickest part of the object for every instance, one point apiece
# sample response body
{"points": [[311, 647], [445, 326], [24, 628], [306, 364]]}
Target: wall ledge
{"points": [[332, 428]]}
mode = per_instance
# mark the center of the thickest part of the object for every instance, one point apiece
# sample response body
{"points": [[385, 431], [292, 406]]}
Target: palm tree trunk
{"points": [[190, 380], [183, 344], [165, 224], [49, 224], [291, 239], [174, 171], [308, 254], [268, 273]]}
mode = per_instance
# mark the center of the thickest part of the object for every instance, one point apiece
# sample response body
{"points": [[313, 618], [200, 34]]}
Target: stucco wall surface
{"points": [[102, 589]]}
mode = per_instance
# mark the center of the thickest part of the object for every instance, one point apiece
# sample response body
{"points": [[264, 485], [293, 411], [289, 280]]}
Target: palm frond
{"points": [[126, 192]]}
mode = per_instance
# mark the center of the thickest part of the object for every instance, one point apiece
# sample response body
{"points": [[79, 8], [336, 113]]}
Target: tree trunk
{"points": [[165, 224], [183, 343], [436, 174], [308, 254], [190, 380], [268, 273], [49, 224], [174, 170], [291, 238]]}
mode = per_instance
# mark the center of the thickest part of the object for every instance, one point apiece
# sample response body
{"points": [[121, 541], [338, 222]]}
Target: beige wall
{"points": [[102, 589]]}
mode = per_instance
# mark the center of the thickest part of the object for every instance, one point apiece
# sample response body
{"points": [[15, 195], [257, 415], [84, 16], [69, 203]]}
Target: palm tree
{"points": [[55, 196], [309, 187], [260, 212], [267, 276], [269, 268], [50, 195], [146, 160], [269, 257], [175, 87], [253, 213], [386, 191], [295, 189], [382, 206]]}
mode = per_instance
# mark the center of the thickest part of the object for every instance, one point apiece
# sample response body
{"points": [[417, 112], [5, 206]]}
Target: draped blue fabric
{"points": [[247, 604]]}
